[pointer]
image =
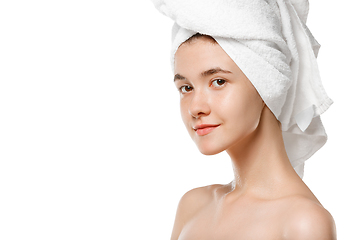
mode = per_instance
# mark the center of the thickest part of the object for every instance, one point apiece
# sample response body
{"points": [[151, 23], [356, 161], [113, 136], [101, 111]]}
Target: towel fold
{"points": [[271, 44]]}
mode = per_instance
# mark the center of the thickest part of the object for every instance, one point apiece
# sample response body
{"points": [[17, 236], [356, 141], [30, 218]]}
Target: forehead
{"points": [[201, 54]]}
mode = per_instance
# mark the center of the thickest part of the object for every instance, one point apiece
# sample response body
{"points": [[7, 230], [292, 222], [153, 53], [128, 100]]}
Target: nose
{"points": [[199, 105]]}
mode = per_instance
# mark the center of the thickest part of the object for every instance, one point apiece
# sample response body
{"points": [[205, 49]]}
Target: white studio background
{"points": [[92, 145]]}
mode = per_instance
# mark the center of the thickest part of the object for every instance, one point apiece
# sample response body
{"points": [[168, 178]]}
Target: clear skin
{"points": [[266, 199]]}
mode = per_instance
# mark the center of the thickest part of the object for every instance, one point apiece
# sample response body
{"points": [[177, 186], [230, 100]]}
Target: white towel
{"points": [[269, 41]]}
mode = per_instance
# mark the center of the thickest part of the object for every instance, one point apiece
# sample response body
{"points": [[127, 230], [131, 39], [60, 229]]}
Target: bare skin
{"points": [[266, 199]]}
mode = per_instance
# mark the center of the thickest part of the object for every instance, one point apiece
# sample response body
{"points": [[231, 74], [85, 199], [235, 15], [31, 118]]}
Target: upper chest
{"points": [[260, 220]]}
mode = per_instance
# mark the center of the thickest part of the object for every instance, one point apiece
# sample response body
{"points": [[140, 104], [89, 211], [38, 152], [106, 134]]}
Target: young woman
{"points": [[227, 108], [223, 111]]}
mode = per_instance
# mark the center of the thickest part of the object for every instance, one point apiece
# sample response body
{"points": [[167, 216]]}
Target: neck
{"points": [[260, 162]]}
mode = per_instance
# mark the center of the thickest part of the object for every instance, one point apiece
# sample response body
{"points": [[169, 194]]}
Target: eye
{"points": [[218, 82], [185, 89]]}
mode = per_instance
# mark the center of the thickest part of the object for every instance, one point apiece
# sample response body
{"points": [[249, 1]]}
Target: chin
{"points": [[208, 149]]}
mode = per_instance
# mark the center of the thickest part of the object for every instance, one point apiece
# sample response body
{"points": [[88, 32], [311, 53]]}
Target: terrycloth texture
{"points": [[269, 41]]}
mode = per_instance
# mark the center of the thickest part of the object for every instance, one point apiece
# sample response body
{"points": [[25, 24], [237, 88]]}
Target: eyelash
{"points": [[184, 86], [219, 79]]}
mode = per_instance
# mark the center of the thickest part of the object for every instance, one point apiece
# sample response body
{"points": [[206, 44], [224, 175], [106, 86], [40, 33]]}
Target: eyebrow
{"points": [[214, 71], [179, 77], [206, 73]]}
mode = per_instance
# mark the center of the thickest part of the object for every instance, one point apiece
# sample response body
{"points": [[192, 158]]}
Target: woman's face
{"points": [[219, 105]]}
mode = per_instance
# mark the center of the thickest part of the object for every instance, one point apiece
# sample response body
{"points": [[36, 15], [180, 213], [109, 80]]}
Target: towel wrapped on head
{"points": [[271, 44]]}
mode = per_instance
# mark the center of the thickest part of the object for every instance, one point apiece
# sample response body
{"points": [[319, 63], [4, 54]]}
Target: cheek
{"points": [[242, 109], [184, 111]]}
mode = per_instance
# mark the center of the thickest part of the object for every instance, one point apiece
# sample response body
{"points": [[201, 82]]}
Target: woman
{"points": [[251, 89]]}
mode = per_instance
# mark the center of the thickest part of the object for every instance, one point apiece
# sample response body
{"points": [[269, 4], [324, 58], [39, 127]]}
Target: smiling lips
{"points": [[204, 129]]}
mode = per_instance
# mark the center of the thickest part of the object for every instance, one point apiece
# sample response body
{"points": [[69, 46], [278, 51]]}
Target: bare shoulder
{"points": [[190, 204], [307, 219], [195, 199]]}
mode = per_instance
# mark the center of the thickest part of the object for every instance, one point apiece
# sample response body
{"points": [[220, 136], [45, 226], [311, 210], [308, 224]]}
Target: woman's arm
{"points": [[190, 204]]}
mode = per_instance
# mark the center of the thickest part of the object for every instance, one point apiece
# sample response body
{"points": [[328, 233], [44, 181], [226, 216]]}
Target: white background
{"points": [[91, 141]]}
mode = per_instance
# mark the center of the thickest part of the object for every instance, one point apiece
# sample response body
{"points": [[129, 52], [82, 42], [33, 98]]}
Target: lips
{"points": [[204, 129]]}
